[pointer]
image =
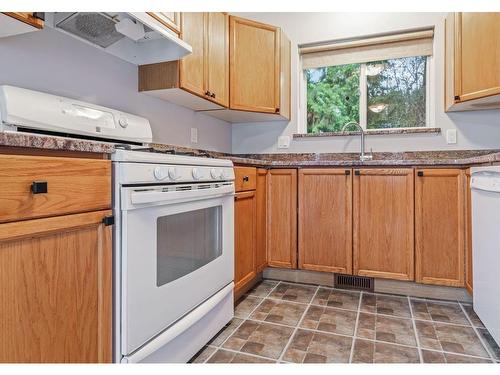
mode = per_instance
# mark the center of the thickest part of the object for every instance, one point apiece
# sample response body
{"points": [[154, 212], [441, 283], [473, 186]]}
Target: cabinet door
{"points": [[261, 202], [244, 238], [282, 218], [168, 19], [440, 226], [479, 54], [192, 67], [325, 220], [217, 53], [55, 288], [254, 66], [27, 17], [468, 235], [383, 223]]}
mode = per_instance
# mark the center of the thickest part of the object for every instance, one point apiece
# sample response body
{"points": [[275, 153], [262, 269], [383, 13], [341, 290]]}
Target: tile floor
{"points": [[282, 322]]}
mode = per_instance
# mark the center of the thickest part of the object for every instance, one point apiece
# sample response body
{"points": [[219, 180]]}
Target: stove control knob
{"points": [[172, 173], [196, 173], [160, 173], [123, 122], [215, 173]]}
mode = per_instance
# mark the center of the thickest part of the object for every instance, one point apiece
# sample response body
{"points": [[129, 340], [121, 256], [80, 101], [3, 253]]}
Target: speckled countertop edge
{"points": [[50, 142], [411, 158]]}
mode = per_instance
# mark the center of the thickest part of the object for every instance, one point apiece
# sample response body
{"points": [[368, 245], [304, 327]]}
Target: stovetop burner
{"points": [[202, 154]]}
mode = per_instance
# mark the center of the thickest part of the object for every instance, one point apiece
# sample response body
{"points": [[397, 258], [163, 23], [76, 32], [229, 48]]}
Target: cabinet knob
{"points": [[420, 173], [207, 93], [277, 110], [357, 172], [39, 187], [347, 172], [212, 95], [245, 178]]}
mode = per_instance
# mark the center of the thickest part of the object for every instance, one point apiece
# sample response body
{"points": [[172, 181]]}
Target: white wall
{"points": [[476, 130], [52, 62]]}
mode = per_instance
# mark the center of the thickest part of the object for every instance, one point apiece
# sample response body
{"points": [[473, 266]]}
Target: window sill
{"points": [[371, 132]]}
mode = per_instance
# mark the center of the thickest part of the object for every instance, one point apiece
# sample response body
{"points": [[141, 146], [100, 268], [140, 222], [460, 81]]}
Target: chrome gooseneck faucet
{"points": [[362, 157]]}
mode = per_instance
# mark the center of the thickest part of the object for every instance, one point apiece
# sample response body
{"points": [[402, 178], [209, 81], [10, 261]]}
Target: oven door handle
{"points": [[163, 197]]}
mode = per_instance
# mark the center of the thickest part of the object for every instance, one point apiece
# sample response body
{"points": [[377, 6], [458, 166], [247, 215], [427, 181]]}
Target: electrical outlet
{"points": [[284, 141], [194, 135], [451, 136]]}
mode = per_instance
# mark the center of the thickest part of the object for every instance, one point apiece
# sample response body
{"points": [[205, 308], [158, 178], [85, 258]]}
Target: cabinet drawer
{"points": [[245, 178], [38, 186]]}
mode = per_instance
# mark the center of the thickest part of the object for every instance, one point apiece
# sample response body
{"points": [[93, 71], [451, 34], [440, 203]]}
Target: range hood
{"points": [[137, 37]]}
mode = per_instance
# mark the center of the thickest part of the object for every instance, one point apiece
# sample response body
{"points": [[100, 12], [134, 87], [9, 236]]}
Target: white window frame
{"points": [[363, 107]]}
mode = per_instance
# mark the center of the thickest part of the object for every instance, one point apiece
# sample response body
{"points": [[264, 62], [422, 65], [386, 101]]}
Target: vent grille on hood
{"points": [[97, 28]]}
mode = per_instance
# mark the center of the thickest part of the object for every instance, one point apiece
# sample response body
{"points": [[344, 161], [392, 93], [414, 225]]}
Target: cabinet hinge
{"points": [[457, 97], [108, 220]]}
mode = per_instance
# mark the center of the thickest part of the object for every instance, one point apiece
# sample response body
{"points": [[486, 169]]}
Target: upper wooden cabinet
{"points": [[282, 218], [14, 23], [440, 226], [325, 220], [259, 70], [200, 80], [172, 20], [383, 218], [472, 61], [29, 18], [239, 70]]}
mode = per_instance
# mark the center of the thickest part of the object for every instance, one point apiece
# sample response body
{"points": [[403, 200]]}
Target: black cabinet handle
{"points": [[39, 187], [207, 93], [108, 220], [420, 173], [212, 95], [277, 110], [347, 172], [245, 178], [357, 173]]}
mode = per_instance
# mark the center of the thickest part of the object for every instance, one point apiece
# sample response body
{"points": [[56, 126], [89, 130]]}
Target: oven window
{"points": [[186, 242]]}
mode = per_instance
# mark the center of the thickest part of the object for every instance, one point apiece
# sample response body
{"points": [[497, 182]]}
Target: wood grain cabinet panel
{"points": [[261, 202], [325, 220], [73, 185], [29, 18], [172, 20], [282, 218], [472, 57], [468, 235], [440, 226], [55, 289], [199, 81], [245, 178], [245, 238], [192, 67], [383, 223]]}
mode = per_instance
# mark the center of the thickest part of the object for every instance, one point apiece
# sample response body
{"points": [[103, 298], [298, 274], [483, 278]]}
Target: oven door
{"points": [[177, 251]]}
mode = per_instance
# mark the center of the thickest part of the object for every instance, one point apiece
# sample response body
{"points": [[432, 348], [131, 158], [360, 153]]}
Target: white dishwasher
{"points": [[485, 185]]}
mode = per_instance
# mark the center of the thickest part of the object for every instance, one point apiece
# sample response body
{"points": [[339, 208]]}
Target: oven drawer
{"points": [[245, 178], [39, 186]]}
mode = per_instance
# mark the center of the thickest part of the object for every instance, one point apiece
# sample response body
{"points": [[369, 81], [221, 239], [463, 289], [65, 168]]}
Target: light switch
{"points": [[194, 135], [451, 136], [284, 141]]}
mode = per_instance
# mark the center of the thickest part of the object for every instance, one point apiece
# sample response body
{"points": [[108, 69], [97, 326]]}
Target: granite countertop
{"points": [[50, 142], [278, 160]]}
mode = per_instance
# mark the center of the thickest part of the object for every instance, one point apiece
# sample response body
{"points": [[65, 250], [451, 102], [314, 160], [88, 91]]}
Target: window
{"points": [[358, 84]]}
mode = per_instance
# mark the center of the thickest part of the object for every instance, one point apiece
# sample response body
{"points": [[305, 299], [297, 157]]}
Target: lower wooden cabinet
{"points": [[245, 238], [468, 234], [383, 223], [55, 289], [440, 226], [325, 220], [261, 203], [282, 218]]}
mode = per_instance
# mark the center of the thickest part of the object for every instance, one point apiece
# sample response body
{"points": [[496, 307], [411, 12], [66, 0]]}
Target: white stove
{"points": [[174, 261], [173, 236]]}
